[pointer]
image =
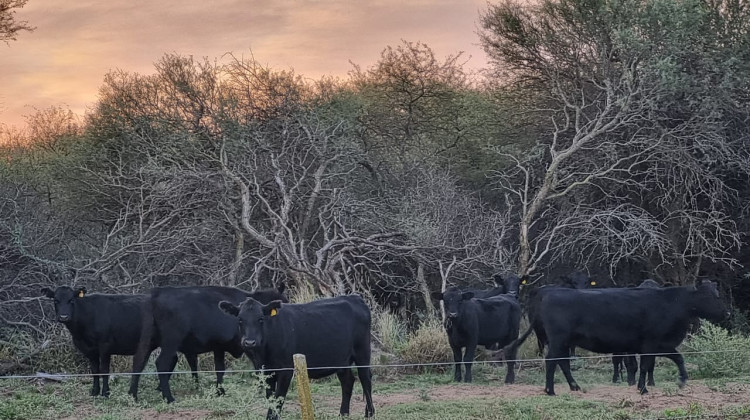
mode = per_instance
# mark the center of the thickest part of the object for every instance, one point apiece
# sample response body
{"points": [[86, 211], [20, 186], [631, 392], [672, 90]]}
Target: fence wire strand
{"points": [[334, 368]]}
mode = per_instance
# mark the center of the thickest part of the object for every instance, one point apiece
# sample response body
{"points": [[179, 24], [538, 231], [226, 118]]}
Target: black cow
{"points": [[102, 325], [576, 280], [621, 320], [188, 320], [332, 334], [487, 322], [504, 284], [628, 362]]}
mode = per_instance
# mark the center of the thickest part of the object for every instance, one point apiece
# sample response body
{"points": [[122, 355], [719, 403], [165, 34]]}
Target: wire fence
{"points": [[385, 365]]}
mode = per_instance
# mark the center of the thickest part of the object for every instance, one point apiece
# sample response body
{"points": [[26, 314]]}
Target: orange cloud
{"points": [[77, 43]]}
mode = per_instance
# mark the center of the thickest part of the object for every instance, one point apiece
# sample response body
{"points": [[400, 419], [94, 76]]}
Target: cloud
{"points": [[77, 43]]}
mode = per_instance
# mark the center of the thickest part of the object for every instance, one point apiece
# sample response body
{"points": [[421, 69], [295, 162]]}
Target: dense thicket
{"points": [[609, 136]]}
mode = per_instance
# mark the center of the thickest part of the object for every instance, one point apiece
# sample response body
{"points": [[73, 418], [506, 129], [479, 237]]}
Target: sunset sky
{"points": [[76, 43]]}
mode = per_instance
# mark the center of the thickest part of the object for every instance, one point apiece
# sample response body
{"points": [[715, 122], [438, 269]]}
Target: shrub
{"points": [[389, 330], [303, 293], [428, 344], [726, 355]]}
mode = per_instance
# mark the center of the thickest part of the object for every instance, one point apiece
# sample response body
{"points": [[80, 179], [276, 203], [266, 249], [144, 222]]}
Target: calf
{"points": [[619, 321], [629, 362], [332, 334], [102, 325], [488, 322], [188, 320], [504, 284]]}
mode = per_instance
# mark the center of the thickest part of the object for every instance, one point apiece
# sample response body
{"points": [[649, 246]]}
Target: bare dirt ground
{"points": [[655, 400]]}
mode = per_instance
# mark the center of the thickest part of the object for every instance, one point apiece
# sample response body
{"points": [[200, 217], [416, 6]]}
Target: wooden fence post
{"points": [[303, 387]]}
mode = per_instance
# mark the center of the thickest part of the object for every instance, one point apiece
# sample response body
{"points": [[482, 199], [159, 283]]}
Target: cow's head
{"points": [[65, 300], [706, 302], [510, 283], [577, 280], [253, 318], [453, 298]]}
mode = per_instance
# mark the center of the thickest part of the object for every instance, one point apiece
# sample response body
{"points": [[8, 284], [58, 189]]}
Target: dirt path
{"points": [[655, 400]]}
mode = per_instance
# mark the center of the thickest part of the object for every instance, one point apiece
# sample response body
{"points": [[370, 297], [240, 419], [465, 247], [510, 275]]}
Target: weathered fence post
{"points": [[303, 387]]}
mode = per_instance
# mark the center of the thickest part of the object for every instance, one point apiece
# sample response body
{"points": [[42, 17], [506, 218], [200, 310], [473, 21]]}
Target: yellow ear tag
{"points": [[593, 283], [523, 282], [274, 312], [80, 293]]}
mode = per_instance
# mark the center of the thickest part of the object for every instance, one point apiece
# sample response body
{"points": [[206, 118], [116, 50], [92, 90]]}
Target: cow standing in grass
{"points": [[188, 320], [102, 325], [487, 322], [630, 320], [332, 333], [628, 361]]}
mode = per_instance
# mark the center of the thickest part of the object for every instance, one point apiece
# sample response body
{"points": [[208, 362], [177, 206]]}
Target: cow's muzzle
{"points": [[249, 344], [513, 294], [63, 318], [453, 315]]}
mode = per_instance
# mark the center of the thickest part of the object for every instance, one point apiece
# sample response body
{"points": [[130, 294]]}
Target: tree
{"points": [[9, 26], [615, 177]]}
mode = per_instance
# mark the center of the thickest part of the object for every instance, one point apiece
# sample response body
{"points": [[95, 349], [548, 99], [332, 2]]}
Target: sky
{"points": [[63, 62]]}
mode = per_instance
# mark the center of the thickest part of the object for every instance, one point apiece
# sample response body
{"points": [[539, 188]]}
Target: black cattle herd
{"points": [[334, 333]]}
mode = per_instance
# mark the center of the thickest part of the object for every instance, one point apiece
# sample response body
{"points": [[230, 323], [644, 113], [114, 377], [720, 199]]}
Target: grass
{"points": [[427, 395]]}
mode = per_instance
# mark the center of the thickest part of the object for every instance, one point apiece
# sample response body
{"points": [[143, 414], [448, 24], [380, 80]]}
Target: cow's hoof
{"points": [[510, 381], [575, 387], [550, 392], [170, 400], [681, 383], [644, 391], [105, 394], [651, 383], [220, 391]]}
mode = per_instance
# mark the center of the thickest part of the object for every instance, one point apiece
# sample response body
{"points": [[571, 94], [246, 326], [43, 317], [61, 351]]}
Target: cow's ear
{"points": [[467, 295], [437, 295], [81, 292], [272, 309], [229, 308], [47, 292], [498, 279]]}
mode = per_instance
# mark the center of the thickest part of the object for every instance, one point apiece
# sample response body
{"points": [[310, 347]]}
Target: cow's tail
{"points": [[512, 348], [144, 345]]}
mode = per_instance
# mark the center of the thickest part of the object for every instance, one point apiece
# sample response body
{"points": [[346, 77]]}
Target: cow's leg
{"points": [[647, 362], [365, 378], [362, 360], [94, 363], [616, 370], [220, 368], [550, 366], [631, 366], [677, 358], [346, 377], [510, 361], [651, 375], [457, 360], [469, 360], [175, 359], [165, 364], [139, 363], [565, 367], [106, 359], [192, 360], [270, 384], [284, 379]]}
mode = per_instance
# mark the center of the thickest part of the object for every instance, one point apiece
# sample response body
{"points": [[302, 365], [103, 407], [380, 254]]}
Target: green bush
{"points": [[428, 344], [725, 355], [389, 330]]}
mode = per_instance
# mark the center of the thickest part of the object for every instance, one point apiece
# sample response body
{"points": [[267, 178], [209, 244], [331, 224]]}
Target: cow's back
{"points": [[110, 322], [191, 315], [615, 320], [328, 331]]}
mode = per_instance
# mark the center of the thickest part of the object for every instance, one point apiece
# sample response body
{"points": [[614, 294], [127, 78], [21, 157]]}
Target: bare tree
{"points": [[613, 177], [9, 26]]}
